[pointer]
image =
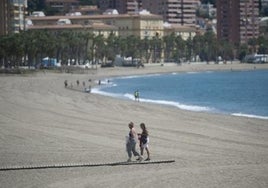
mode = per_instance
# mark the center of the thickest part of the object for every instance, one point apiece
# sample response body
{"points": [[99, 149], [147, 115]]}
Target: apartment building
{"points": [[264, 2], [133, 6], [173, 11], [249, 20], [4, 17], [122, 6], [12, 16], [237, 21], [63, 6]]}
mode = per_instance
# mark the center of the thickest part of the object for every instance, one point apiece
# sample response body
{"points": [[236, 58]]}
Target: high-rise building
{"points": [[134, 6], [249, 20], [173, 11], [12, 16], [108, 4], [63, 6], [264, 2], [237, 21], [122, 6], [4, 17]]}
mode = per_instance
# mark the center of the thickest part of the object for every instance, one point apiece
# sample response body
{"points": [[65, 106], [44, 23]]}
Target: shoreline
{"points": [[171, 67], [224, 67], [43, 123]]}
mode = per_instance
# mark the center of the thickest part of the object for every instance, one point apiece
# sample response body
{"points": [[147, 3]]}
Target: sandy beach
{"points": [[43, 123]]}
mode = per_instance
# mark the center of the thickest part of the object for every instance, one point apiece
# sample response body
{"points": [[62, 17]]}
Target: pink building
{"points": [[237, 21]]}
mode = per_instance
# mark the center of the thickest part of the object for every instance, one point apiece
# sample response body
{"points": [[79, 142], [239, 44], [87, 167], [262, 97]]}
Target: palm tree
{"points": [[145, 49], [156, 48], [98, 48], [123, 46], [179, 52], [13, 50], [87, 38], [111, 46], [209, 52], [31, 46], [4, 50], [242, 51], [73, 46], [41, 44], [226, 50], [64, 47], [197, 45], [252, 43], [263, 45], [189, 49], [169, 46], [132, 47]]}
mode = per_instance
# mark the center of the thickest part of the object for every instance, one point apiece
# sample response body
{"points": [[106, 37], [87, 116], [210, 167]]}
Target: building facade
{"points": [[4, 17], [264, 2], [249, 20], [141, 25], [173, 11], [63, 6], [186, 32], [122, 6], [95, 28], [237, 21], [12, 16]]}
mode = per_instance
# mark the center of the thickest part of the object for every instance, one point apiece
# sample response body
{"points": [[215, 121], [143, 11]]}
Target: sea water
{"points": [[240, 93]]}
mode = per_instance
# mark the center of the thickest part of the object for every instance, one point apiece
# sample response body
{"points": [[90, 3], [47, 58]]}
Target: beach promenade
{"points": [[43, 123]]}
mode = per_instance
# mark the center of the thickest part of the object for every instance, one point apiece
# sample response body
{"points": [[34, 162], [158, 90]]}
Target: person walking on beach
{"points": [[137, 95], [65, 83], [144, 141], [131, 143]]}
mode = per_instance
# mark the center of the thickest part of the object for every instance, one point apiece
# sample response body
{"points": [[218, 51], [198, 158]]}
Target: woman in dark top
{"points": [[144, 141]]}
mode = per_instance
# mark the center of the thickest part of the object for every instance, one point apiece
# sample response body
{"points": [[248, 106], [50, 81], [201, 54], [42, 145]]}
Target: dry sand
{"points": [[42, 123]]}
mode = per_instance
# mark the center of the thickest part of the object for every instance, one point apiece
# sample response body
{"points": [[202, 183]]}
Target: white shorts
{"points": [[146, 145]]}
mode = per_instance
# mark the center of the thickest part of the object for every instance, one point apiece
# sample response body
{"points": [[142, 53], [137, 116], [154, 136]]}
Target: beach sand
{"points": [[43, 123]]}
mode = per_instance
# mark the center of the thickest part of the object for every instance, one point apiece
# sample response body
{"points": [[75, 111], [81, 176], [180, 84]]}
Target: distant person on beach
{"points": [[137, 95], [65, 83], [144, 141], [77, 82], [88, 90], [131, 143]]}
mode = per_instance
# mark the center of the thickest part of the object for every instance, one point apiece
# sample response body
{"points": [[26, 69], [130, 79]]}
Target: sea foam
{"points": [[250, 116]]}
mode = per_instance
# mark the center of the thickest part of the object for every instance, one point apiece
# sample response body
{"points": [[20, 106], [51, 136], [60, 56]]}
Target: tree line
{"points": [[28, 48]]}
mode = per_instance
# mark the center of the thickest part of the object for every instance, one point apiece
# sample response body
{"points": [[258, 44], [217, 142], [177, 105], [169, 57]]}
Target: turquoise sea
{"points": [[239, 93]]}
